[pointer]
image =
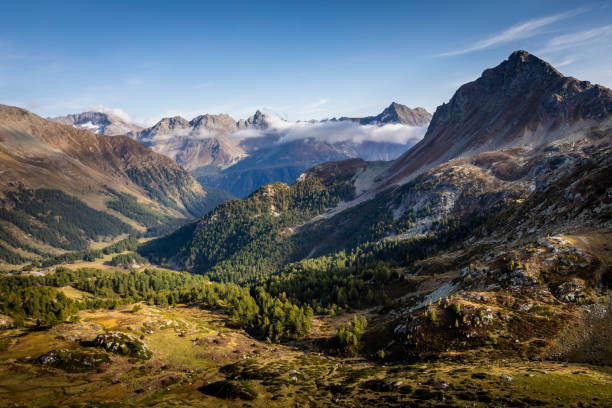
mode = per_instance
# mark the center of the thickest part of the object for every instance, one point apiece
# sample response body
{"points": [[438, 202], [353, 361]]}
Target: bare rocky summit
{"points": [[396, 113], [98, 122], [523, 101]]}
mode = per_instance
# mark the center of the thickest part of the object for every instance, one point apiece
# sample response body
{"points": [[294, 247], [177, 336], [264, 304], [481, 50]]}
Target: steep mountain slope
{"points": [[523, 101], [76, 173], [250, 237], [98, 122]]}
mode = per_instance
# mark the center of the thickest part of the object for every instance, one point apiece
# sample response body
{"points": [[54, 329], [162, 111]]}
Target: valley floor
{"points": [[200, 360]]}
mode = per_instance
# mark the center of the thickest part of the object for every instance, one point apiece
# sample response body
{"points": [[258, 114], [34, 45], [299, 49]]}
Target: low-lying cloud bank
{"points": [[336, 131], [187, 133], [331, 131]]}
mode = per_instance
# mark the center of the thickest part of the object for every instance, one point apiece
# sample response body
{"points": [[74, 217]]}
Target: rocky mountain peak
{"points": [[522, 101], [98, 122], [396, 113], [258, 120], [222, 122], [175, 122]]}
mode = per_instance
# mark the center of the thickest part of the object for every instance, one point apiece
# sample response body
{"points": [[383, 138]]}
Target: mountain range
{"points": [[241, 155]]}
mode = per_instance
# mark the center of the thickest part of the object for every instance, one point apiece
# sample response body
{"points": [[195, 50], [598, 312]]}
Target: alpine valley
{"points": [[403, 259]]}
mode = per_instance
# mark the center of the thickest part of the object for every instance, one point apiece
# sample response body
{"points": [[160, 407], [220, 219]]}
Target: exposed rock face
{"points": [[203, 141], [396, 113], [523, 101], [221, 122], [98, 122], [166, 126]]}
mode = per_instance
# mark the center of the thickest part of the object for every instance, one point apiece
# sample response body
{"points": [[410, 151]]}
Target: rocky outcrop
{"points": [[124, 344], [74, 361]]}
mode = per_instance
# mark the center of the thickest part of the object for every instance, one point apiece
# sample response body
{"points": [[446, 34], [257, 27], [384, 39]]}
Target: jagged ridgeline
{"points": [[63, 188]]}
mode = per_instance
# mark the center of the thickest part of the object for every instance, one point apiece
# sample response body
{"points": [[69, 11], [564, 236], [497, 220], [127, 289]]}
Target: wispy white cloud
{"points": [[344, 131], [563, 42], [565, 62], [326, 131], [520, 31], [187, 133], [317, 104]]}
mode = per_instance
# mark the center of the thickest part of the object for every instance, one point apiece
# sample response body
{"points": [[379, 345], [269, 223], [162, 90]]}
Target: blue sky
{"points": [[301, 60]]}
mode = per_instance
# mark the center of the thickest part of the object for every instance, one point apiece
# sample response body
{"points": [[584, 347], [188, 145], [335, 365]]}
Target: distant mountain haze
{"points": [[241, 155], [396, 113]]}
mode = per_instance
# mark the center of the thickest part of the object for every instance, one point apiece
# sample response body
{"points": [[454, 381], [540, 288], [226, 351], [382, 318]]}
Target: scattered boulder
{"points": [[124, 344], [74, 361], [5, 321], [570, 291]]}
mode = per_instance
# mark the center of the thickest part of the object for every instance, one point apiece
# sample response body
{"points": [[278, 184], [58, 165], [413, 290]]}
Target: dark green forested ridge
{"points": [[246, 241], [11, 257], [159, 181], [249, 237]]}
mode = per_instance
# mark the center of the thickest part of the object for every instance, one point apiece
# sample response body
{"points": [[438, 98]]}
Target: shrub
{"points": [[230, 390]]}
